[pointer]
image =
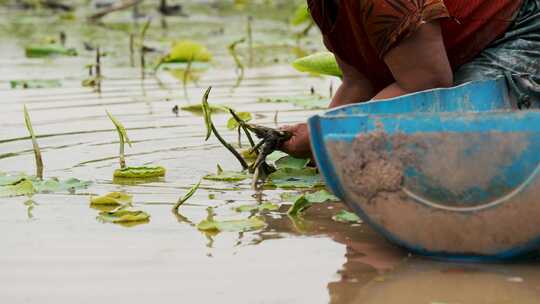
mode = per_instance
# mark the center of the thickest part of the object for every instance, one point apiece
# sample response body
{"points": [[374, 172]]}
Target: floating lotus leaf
{"points": [[346, 217], [233, 124], [9, 179], [309, 102], [186, 50], [35, 84], [140, 172], [291, 162], [301, 15], [253, 223], [123, 216], [257, 207], [300, 205], [21, 187], [111, 199], [320, 196], [38, 51], [187, 196], [55, 185], [227, 176], [323, 63], [295, 178]]}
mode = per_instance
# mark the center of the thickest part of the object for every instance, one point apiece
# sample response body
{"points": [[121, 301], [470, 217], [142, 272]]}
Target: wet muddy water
{"points": [[57, 252]]}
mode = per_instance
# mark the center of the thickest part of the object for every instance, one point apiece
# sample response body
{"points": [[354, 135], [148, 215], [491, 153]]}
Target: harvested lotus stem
{"points": [[242, 124], [35, 145], [211, 129]]}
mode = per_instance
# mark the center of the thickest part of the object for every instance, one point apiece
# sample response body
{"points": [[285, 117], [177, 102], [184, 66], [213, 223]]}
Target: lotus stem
{"points": [[35, 145], [249, 30], [230, 148]]}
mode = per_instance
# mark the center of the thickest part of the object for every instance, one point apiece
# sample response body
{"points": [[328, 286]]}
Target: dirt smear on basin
{"points": [[372, 170]]}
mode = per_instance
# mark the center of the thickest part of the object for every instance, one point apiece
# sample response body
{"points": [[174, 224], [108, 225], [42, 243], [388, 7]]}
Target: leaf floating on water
{"points": [[198, 109], [9, 179], [316, 197], [295, 178], [233, 124], [55, 185], [112, 199], [346, 217], [35, 84], [186, 50], [227, 176], [19, 188], [323, 63], [140, 172], [252, 223], [46, 50], [309, 102], [300, 205], [291, 163], [124, 216], [257, 207]]}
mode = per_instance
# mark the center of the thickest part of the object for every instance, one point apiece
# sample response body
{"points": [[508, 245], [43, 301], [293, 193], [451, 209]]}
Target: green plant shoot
{"points": [[123, 137], [187, 196], [37, 151]]}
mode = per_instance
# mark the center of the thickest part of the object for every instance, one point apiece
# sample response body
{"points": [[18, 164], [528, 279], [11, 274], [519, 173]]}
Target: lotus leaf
{"points": [[185, 51], [120, 128], [310, 102], [346, 217], [38, 51], [253, 223], [233, 124], [320, 196], [227, 176], [259, 207], [140, 172], [291, 162], [319, 63], [123, 215], [295, 178], [111, 199], [198, 109], [21, 187], [301, 15], [187, 196], [300, 205], [248, 154], [35, 83], [183, 66], [56, 185]]}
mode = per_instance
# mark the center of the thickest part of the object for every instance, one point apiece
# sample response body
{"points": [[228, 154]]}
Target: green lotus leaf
{"points": [[300, 205], [252, 223], [248, 154], [323, 63], [344, 216], [10, 179], [140, 172], [35, 84], [295, 178], [21, 187], [112, 199], [309, 102], [257, 207], [186, 50], [123, 216], [320, 196], [38, 51], [233, 124], [291, 162], [198, 109], [55, 185], [227, 176], [186, 196], [301, 15]]}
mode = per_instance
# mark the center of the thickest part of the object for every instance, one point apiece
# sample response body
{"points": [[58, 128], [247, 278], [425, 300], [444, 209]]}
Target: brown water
{"points": [[57, 252]]}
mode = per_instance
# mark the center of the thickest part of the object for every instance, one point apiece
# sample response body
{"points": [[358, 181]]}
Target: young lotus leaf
{"points": [[123, 216], [120, 128], [187, 196], [35, 84], [248, 154], [301, 15], [21, 187], [295, 178], [233, 124], [300, 205], [38, 51], [323, 63], [198, 109], [346, 217], [111, 199], [55, 185], [309, 102], [185, 51], [140, 172], [226, 176], [253, 223], [257, 207], [320, 196]]}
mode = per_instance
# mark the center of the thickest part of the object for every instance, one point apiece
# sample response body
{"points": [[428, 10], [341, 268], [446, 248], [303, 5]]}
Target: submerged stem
{"points": [[37, 151]]}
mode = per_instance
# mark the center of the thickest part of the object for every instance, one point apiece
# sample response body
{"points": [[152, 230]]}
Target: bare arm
{"points": [[354, 88]]}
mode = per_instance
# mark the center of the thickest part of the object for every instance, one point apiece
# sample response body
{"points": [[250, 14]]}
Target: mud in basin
{"points": [[455, 193]]}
